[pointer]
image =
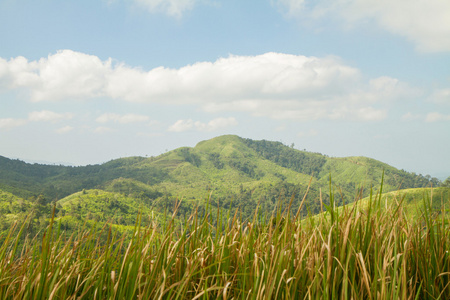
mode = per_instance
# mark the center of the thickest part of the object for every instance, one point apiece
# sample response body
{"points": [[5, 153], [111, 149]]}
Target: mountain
{"points": [[232, 171], [27, 180]]}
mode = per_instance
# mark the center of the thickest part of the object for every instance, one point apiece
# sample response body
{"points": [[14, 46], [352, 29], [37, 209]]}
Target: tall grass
{"points": [[373, 252]]}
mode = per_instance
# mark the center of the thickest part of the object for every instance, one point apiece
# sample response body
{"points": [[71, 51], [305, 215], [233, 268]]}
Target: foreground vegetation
{"points": [[360, 252]]}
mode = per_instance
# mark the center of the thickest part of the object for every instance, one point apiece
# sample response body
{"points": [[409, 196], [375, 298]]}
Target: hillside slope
{"points": [[237, 172], [414, 201]]}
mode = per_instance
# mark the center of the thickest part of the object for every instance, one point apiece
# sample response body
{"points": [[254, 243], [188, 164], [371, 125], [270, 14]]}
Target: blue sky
{"points": [[83, 82]]}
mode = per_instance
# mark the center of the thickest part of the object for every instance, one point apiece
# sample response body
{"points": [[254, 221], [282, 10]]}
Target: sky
{"points": [[83, 82]]}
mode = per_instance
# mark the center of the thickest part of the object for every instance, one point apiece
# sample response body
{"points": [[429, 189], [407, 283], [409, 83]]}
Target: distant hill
{"points": [[27, 180], [237, 172]]}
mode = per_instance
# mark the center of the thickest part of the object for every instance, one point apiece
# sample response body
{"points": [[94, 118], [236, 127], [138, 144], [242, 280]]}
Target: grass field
{"points": [[362, 252]]}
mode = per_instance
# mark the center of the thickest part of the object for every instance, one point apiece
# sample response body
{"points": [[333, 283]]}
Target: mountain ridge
{"points": [[224, 163]]}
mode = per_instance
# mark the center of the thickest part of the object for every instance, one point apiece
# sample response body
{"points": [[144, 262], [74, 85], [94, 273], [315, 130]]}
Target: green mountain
{"points": [[27, 180], [232, 171]]}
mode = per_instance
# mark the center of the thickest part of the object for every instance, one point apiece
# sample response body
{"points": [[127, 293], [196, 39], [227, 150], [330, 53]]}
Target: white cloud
{"points": [[48, 116], [441, 96], [275, 85], [64, 129], [9, 123], [122, 119], [181, 125], [213, 125], [64, 75], [436, 117], [173, 8], [425, 22]]}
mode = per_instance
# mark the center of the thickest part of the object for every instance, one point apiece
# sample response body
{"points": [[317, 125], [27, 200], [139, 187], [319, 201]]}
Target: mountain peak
{"points": [[222, 144], [222, 139]]}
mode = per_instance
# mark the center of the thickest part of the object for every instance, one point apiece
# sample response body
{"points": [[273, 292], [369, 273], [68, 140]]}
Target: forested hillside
{"points": [[230, 171]]}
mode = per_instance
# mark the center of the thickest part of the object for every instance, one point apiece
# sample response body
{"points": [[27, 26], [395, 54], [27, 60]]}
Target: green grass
{"points": [[370, 252], [411, 200]]}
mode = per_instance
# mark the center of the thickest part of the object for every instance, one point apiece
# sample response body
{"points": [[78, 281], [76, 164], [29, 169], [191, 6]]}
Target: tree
{"points": [[446, 182]]}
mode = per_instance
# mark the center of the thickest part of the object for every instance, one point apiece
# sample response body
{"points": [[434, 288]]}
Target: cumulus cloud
{"points": [[213, 125], [122, 119], [173, 8], [64, 75], [9, 123], [425, 22], [48, 116], [275, 85], [436, 117]]}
